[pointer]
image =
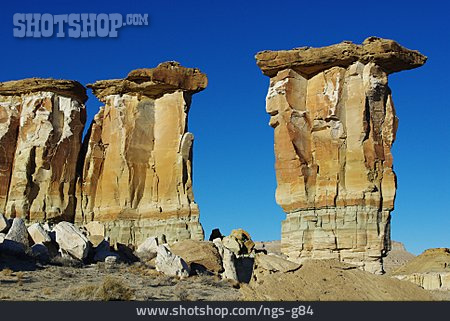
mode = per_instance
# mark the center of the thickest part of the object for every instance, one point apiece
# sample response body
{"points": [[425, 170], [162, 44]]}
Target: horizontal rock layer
{"points": [[137, 173], [308, 61], [41, 123], [67, 88], [153, 82], [353, 234], [429, 281]]}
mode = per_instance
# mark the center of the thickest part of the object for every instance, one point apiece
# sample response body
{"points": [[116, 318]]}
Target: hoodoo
{"points": [[41, 124], [137, 173], [334, 122]]}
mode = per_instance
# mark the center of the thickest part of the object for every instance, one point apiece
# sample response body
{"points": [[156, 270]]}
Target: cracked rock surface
{"points": [[334, 121], [41, 123], [137, 172]]}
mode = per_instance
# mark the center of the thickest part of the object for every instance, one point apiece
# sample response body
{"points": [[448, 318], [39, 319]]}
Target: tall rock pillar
{"points": [[334, 122], [137, 174], [41, 124]]}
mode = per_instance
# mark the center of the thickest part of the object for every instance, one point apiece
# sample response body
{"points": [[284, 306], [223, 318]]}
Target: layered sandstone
{"points": [[137, 173], [430, 270], [41, 123], [335, 123]]}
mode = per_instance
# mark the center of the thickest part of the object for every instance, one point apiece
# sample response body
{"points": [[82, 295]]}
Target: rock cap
{"points": [[308, 61], [69, 88], [153, 82]]}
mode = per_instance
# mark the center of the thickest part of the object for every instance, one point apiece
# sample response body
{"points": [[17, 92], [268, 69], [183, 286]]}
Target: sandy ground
{"points": [[315, 280], [329, 280], [118, 282]]}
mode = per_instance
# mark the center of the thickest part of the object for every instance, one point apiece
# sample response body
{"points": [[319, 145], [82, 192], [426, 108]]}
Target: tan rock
{"points": [[3, 223], [200, 255], [95, 228], [228, 261], [239, 242], [384, 52], [334, 124], [71, 241], [137, 175], [41, 123], [171, 264], [38, 234], [148, 249], [274, 263], [18, 233], [430, 270]]}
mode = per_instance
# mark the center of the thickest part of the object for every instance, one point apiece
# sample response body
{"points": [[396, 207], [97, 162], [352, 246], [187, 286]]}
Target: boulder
{"points": [[171, 264], [38, 234], [148, 249], [239, 242], [95, 239], [95, 228], [3, 223], [200, 255], [228, 261], [112, 259], [274, 263], [18, 233], [71, 241], [231, 243]]}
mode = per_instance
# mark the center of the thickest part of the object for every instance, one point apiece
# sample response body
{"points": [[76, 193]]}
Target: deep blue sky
{"points": [[234, 178]]}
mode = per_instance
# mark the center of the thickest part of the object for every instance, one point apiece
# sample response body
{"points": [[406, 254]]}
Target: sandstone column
{"points": [[41, 123], [334, 121], [137, 175]]}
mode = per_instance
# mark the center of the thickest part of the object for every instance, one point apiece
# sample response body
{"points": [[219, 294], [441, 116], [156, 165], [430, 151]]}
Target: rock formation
{"points": [[137, 174], [430, 270], [397, 256], [334, 121], [201, 256], [41, 123]]}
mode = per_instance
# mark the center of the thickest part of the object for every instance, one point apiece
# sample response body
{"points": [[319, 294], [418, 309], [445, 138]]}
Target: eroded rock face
{"points": [[41, 123], [334, 121], [137, 175]]}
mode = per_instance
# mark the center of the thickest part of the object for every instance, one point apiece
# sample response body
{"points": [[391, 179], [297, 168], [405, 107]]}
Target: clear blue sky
{"points": [[234, 177]]}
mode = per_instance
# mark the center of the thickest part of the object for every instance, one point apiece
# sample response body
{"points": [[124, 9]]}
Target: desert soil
{"points": [[137, 281], [330, 280]]}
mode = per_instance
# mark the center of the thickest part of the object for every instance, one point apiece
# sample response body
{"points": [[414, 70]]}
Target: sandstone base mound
{"points": [[330, 280], [430, 270]]}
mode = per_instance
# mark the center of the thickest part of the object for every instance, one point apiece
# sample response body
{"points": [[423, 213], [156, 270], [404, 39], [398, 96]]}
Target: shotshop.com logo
{"points": [[74, 25]]}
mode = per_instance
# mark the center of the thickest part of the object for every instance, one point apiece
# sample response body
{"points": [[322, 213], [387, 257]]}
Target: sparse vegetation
{"points": [[7, 272], [91, 283], [20, 278], [111, 289], [65, 261]]}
